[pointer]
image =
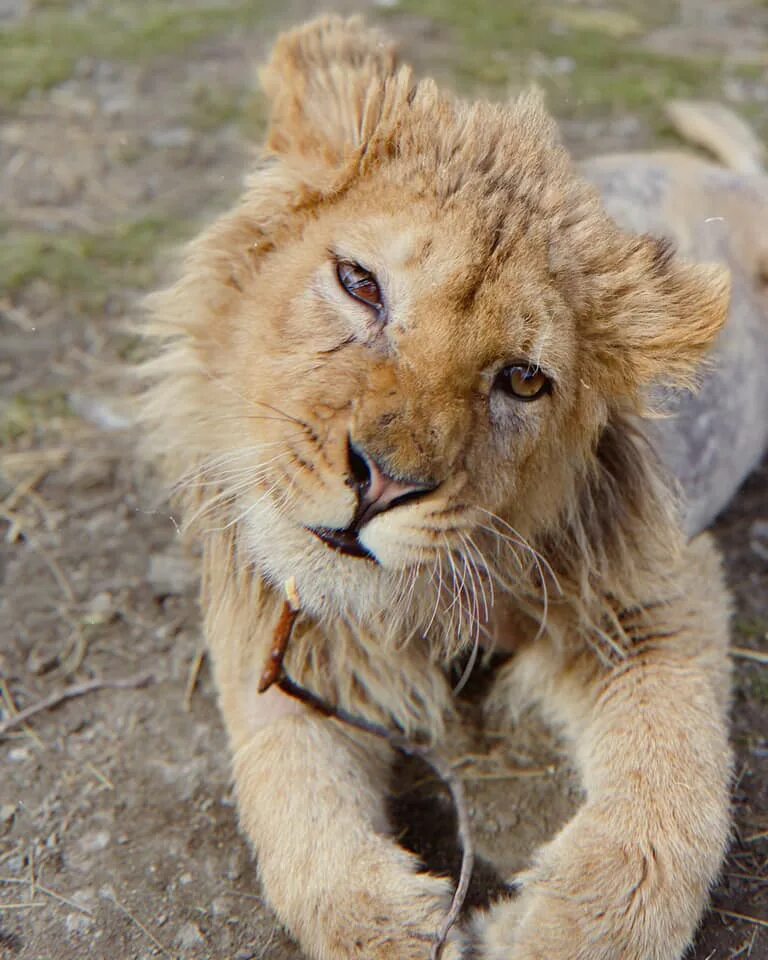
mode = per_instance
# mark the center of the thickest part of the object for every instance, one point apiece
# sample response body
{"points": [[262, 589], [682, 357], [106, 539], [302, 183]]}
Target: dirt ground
{"points": [[122, 127]]}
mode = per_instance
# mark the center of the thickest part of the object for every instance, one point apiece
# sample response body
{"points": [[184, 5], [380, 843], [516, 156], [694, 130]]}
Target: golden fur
{"points": [[550, 529]]}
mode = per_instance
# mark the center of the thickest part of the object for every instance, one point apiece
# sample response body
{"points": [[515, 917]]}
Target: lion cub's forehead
{"points": [[443, 263]]}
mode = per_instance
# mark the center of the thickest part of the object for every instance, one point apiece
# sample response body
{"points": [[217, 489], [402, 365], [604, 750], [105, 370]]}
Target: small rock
{"points": [[7, 813], [78, 924], [14, 865], [173, 137], [189, 936], [235, 865], [116, 105], [18, 755], [171, 573], [758, 538], [93, 842], [220, 906], [759, 529], [97, 411], [100, 609]]}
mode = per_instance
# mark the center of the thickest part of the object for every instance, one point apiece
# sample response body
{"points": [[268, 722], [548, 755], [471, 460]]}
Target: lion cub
{"points": [[404, 371]]}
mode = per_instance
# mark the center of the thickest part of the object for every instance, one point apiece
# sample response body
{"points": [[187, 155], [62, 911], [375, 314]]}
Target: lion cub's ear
{"points": [[657, 316], [326, 82]]}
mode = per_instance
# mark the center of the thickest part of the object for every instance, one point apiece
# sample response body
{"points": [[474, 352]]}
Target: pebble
{"points": [[97, 411], [171, 573], [78, 924], [93, 842], [173, 137], [220, 906], [236, 863], [100, 609], [758, 538], [189, 936], [14, 865]]}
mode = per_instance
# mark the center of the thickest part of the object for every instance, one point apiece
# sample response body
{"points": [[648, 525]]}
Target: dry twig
{"points": [[69, 693], [745, 653], [273, 668], [20, 906], [192, 678], [274, 673], [743, 916], [39, 888], [134, 919]]}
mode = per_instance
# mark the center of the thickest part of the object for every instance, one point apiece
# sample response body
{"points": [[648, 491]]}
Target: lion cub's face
{"points": [[413, 330], [406, 385]]}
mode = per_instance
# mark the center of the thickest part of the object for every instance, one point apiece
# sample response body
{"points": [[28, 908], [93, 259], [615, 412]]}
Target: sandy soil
{"points": [[118, 836]]}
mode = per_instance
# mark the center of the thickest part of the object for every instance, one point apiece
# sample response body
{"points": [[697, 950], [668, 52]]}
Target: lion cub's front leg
{"points": [[311, 802], [627, 878]]}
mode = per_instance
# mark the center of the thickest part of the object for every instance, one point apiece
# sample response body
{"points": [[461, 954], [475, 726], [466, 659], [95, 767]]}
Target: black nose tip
{"points": [[378, 490]]}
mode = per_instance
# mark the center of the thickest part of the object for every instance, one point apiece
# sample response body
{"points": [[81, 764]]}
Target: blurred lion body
{"points": [[547, 527]]}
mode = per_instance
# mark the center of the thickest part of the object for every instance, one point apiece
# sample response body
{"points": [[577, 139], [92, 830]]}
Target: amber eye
{"points": [[359, 283], [523, 382]]}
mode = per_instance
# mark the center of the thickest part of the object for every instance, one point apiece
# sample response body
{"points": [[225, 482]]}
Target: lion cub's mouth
{"points": [[344, 541]]}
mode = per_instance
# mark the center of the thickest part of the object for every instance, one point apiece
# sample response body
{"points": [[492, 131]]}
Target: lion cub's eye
{"points": [[359, 283], [523, 382]]}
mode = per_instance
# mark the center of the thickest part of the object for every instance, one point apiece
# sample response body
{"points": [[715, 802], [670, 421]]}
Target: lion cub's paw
{"points": [[593, 894], [391, 918]]}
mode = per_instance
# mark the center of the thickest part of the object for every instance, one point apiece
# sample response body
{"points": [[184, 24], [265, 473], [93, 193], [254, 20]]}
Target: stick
{"points": [[744, 653], [192, 678], [274, 672], [49, 893], [274, 665], [140, 925], [743, 916], [20, 906], [69, 693]]}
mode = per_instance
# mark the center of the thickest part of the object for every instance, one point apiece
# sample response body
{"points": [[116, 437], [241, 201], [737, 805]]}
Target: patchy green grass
{"points": [[88, 264], [216, 108], [27, 413], [589, 62], [42, 50], [750, 628]]}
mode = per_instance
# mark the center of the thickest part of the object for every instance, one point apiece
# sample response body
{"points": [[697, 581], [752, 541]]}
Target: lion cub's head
{"points": [[410, 335]]}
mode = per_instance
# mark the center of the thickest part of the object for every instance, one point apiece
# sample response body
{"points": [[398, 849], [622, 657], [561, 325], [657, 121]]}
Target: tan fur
{"points": [[550, 528]]}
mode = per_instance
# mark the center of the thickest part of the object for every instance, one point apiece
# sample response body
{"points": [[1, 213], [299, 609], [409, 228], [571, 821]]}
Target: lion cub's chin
{"points": [[329, 583]]}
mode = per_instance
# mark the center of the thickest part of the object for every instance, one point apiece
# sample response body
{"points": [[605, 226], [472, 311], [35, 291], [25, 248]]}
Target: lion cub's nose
{"points": [[377, 490]]}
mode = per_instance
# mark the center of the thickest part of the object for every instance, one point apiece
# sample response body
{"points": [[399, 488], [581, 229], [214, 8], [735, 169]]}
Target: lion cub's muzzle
{"points": [[377, 492]]}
